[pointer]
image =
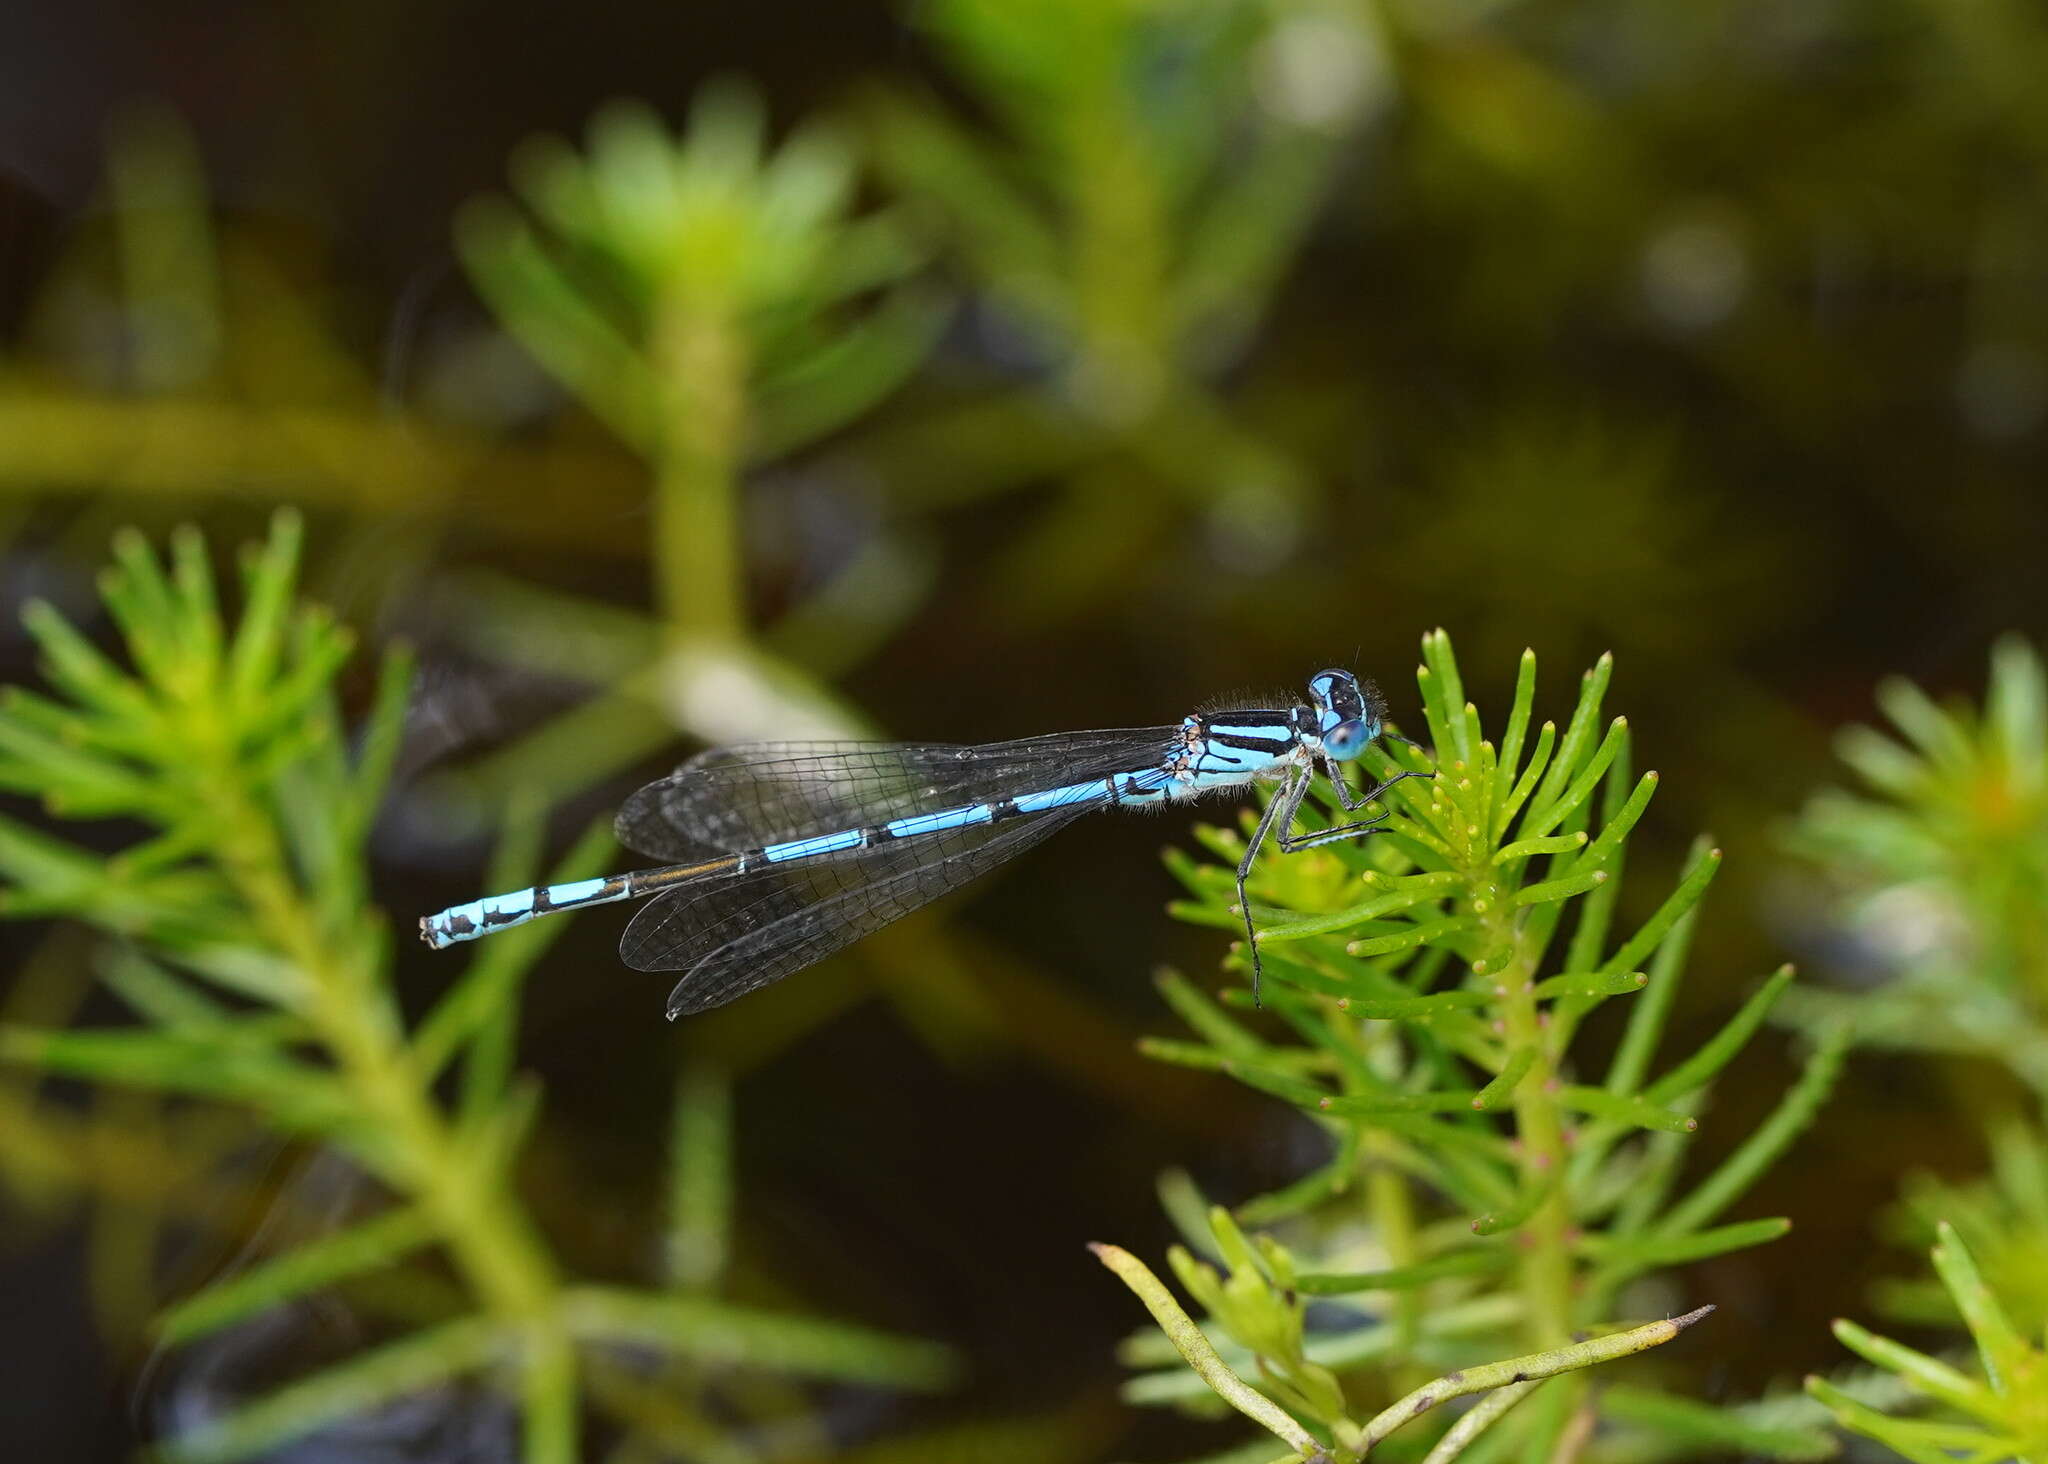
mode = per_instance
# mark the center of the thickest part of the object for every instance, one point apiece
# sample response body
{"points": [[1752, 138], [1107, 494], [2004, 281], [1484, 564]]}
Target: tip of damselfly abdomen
{"points": [[478, 918], [502, 912]]}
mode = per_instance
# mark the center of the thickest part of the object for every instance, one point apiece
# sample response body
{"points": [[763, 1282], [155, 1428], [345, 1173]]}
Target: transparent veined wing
{"points": [[737, 934], [741, 797]]}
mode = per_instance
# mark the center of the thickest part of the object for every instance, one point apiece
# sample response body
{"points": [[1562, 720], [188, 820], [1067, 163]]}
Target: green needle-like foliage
{"points": [[1151, 171], [1940, 876], [717, 302], [1485, 1194], [1998, 1411], [260, 979], [1158, 169], [1940, 871], [2002, 1218], [693, 291]]}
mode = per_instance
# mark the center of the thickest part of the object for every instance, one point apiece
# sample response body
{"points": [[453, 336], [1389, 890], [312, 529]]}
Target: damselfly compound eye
{"points": [[1346, 740]]}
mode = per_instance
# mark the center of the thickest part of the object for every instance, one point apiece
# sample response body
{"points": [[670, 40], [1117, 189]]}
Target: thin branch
{"points": [[1201, 1356], [1534, 1367], [1478, 1419]]}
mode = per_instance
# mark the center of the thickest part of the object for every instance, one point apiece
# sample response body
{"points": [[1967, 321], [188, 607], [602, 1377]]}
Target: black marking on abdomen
{"points": [[1243, 742], [1136, 789]]}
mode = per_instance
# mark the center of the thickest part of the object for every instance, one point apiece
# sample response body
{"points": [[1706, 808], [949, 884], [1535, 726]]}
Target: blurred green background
{"points": [[1097, 359]]}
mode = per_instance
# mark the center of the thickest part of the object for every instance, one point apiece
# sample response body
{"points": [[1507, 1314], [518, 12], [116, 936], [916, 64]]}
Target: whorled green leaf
{"points": [[368, 1245], [1475, 1261], [1927, 1375], [1741, 1169], [716, 1332], [1922, 1442], [1627, 1254], [1720, 1049], [700, 1186], [188, 1062], [1633, 1112]]}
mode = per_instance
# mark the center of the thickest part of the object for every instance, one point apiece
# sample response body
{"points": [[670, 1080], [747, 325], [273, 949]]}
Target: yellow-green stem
{"points": [[1513, 1371], [1119, 260], [487, 1236], [1392, 1205], [1546, 1273], [700, 359]]}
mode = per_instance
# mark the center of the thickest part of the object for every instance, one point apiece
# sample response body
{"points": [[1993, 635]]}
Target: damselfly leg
{"points": [[1281, 813]]}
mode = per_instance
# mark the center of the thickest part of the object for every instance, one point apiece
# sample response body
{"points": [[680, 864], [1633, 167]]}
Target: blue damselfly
{"points": [[780, 853]]}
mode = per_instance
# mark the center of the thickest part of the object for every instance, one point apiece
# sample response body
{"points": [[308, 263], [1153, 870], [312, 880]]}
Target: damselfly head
{"points": [[1349, 712]]}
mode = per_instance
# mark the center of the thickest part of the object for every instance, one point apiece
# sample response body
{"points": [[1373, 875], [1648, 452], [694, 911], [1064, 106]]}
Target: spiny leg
{"points": [[1357, 801], [1286, 803], [1283, 810], [1295, 843]]}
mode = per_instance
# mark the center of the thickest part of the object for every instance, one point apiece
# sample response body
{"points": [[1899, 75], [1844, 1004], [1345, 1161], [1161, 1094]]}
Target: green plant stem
{"points": [[1535, 1367], [1508, 961], [1393, 1210], [489, 1239], [700, 359], [1477, 1420], [1120, 265], [1546, 1269]]}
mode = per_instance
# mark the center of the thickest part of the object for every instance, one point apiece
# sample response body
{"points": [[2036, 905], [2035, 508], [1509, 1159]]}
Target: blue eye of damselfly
{"points": [[1346, 740]]}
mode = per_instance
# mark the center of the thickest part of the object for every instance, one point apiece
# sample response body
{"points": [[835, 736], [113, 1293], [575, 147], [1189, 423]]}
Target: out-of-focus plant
{"points": [[1938, 878], [1626, 547], [1153, 169], [1938, 875], [717, 304], [2002, 1414], [168, 359], [697, 292], [1483, 1196], [2002, 1218], [260, 976]]}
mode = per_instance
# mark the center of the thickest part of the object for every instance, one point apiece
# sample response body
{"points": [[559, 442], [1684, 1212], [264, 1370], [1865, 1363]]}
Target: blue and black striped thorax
{"points": [[1222, 748]]}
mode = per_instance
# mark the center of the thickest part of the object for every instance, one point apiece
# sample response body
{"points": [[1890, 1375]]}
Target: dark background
{"points": [[1761, 508]]}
